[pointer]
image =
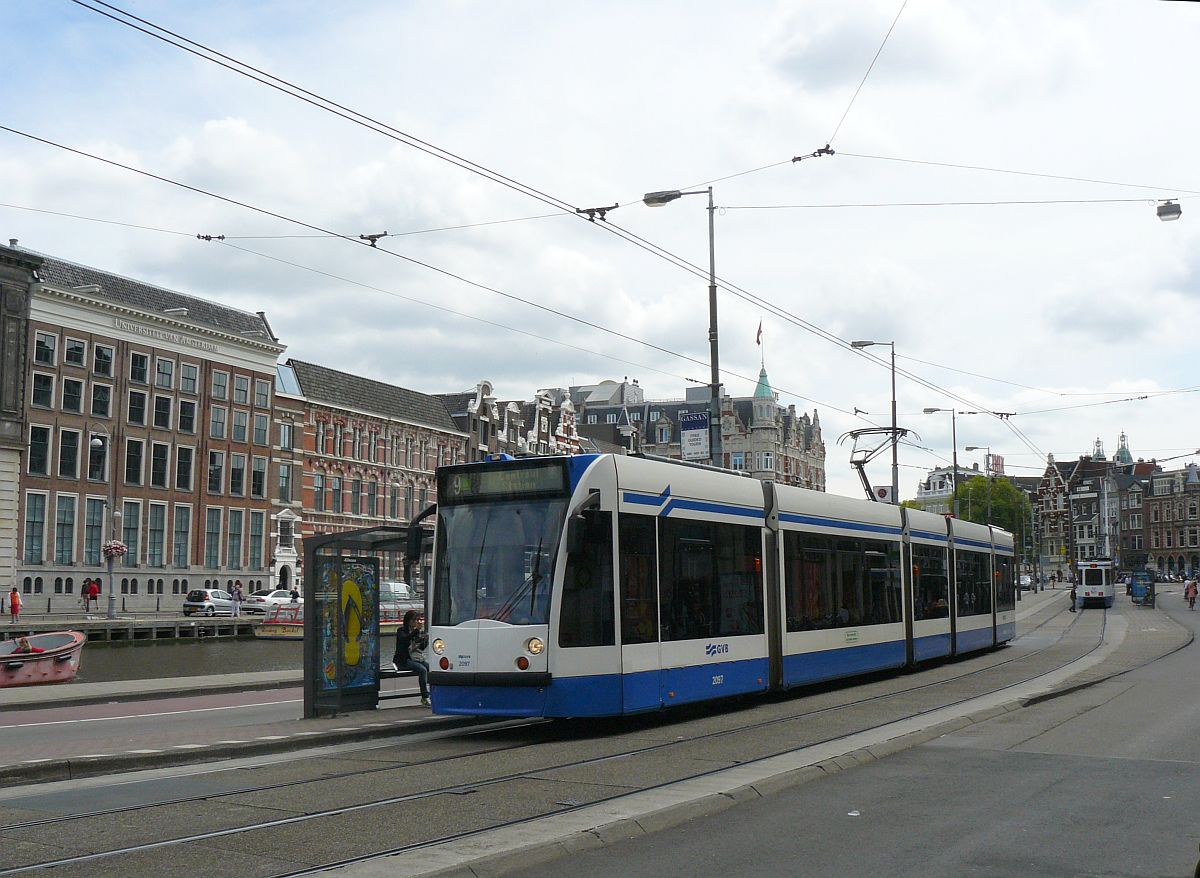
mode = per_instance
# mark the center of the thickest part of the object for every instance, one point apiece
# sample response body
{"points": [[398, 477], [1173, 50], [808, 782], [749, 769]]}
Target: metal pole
{"points": [[112, 529], [895, 437], [954, 457], [715, 386], [988, 467]]}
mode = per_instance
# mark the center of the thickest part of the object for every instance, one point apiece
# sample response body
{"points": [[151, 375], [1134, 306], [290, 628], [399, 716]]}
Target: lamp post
{"points": [[954, 454], [658, 199], [113, 515], [987, 469], [895, 435]]}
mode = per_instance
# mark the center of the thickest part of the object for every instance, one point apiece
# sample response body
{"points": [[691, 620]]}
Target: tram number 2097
{"points": [[718, 679]]}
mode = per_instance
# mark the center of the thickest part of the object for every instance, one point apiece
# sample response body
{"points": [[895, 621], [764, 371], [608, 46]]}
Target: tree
{"points": [[913, 504], [1009, 504]]}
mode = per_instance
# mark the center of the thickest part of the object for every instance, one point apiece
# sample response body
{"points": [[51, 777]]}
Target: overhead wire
{"points": [[869, 204], [870, 67], [370, 123]]}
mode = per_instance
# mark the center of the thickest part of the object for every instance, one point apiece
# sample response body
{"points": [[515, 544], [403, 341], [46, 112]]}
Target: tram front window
{"points": [[496, 561]]}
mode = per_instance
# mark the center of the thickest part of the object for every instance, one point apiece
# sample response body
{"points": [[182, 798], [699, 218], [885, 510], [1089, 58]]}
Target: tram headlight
{"points": [[439, 646], [534, 646]]}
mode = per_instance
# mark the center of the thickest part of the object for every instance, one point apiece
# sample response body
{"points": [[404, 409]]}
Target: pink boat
{"points": [[57, 662]]}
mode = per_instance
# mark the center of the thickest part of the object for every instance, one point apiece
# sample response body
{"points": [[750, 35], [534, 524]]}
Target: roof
{"points": [[763, 390], [322, 384], [147, 297], [456, 403]]}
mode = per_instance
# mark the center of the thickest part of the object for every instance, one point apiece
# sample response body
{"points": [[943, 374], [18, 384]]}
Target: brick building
{"points": [[148, 412]]}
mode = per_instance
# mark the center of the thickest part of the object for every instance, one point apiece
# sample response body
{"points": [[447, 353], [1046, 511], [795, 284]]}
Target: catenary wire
{"points": [[935, 204], [370, 123], [870, 67]]}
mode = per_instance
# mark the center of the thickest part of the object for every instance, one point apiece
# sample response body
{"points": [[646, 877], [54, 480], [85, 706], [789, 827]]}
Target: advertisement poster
{"points": [[348, 625]]}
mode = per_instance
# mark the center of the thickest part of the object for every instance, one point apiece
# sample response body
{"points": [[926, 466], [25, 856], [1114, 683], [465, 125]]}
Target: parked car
{"points": [[1027, 582], [262, 600], [396, 599], [208, 602]]}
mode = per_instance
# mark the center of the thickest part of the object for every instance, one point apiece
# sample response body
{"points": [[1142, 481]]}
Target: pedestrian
{"points": [[1072, 597], [1189, 592], [237, 598], [410, 637], [14, 606], [94, 593]]}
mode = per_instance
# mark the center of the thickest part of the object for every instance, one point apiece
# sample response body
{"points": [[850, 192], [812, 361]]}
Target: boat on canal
{"points": [[282, 622], [36, 659]]}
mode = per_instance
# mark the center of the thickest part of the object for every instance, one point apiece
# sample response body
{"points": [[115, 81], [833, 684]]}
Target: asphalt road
{"points": [[1103, 781]]}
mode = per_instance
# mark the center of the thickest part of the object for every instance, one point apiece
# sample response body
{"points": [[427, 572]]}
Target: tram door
{"points": [[641, 659]]}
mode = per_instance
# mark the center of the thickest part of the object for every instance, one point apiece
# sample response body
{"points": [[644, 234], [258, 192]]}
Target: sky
{"points": [[1077, 316]]}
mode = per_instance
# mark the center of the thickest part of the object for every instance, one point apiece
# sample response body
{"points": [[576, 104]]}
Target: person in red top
{"points": [[23, 647], [94, 593], [14, 606]]}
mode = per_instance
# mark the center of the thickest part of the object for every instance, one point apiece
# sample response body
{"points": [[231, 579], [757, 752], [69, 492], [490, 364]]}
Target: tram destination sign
{"points": [[493, 481], [693, 435]]}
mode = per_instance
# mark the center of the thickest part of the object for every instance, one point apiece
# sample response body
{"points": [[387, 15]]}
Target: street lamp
{"points": [[954, 455], [1169, 210], [895, 434], [113, 515], [987, 469], [658, 199]]}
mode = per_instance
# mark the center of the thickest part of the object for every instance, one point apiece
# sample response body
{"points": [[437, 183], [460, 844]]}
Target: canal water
{"points": [[150, 659]]}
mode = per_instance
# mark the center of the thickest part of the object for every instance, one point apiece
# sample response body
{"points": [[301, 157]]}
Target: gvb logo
{"points": [[711, 649]]}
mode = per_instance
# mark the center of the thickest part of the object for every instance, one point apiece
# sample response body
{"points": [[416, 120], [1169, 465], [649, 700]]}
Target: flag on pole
{"points": [[758, 338]]}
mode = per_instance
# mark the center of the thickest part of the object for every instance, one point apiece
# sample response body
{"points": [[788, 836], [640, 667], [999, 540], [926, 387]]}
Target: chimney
{"points": [[12, 242]]}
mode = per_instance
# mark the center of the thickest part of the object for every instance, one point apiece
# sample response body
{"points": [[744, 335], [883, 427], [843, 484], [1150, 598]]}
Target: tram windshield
{"points": [[495, 560]]}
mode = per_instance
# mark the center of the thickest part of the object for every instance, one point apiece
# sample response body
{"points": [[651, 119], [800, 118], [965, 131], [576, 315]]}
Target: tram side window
{"points": [[971, 582], [586, 614], [840, 582], [1005, 593], [639, 590], [931, 593], [711, 579]]}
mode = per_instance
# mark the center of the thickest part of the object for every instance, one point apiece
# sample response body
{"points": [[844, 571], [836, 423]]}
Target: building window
{"points": [[256, 540], [319, 492], [262, 393], [356, 497], [139, 368], [372, 498], [216, 472], [68, 454], [184, 459], [285, 482], [133, 461], [285, 435], [35, 528], [320, 443], [75, 353], [241, 390], [187, 416], [72, 395], [610, 418], [233, 545], [260, 429], [335, 486], [132, 524], [258, 478], [160, 464], [137, 407], [394, 505], [98, 460], [220, 385], [93, 529], [664, 435], [156, 535], [39, 451], [182, 536], [241, 424], [212, 538], [408, 502], [102, 362], [64, 531], [101, 400], [188, 373], [162, 412], [43, 390], [216, 423], [45, 349], [237, 475]]}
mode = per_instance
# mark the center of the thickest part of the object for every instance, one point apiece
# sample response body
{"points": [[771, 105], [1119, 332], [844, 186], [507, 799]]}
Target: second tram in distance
{"points": [[1097, 583], [600, 585]]}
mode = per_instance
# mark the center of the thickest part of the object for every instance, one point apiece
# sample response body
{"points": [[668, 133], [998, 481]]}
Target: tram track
{"points": [[409, 800], [556, 730]]}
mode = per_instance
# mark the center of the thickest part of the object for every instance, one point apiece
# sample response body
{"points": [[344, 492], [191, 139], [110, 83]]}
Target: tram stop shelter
{"points": [[342, 574]]}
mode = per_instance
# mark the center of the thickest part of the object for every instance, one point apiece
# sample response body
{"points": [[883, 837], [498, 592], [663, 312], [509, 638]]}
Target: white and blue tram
{"points": [[1097, 586], [601, 585]]}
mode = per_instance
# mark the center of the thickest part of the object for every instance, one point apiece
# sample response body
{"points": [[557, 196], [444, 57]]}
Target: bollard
{"points": [[158, 605], [123, 605], [48, 606]]}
